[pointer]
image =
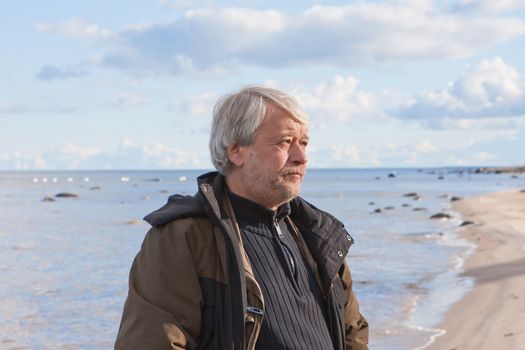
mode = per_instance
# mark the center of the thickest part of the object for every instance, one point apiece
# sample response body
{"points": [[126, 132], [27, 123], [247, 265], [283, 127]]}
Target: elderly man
{"points": [[245, 263]]}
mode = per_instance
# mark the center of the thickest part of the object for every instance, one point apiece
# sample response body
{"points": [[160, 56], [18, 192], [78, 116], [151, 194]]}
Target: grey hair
{"points": [[237, 116]]}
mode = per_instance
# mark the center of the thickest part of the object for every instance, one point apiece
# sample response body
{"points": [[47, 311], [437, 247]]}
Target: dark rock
{"points": [[392, 174], [378, 178], [417, 198], [441, 178], [66, 195], [163, 191], [453, 199], [465, 223], [48, 199], [95, 188], [440, 216], [411, 285], [419, 209], [364, 282], [390, 207], [371, 203], [411, 194], [444, 196], [152, 180], [377, 211], [514, 177], [522, 191], [405, 205]]}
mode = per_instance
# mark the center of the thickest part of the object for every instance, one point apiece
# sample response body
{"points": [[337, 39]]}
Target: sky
{"points": [[125, 84]]}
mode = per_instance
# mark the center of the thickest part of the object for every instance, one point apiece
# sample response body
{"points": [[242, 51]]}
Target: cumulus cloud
{"points": [[492, 89], [197, 105], [128, 155], [81, 152], [488, 6], [22, 161], [340, 100], [362, 33], [49, 73], [77, 28]]}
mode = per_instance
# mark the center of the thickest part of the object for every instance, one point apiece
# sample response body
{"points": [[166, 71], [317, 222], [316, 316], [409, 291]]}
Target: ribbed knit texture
{"points": [[294, 315]]}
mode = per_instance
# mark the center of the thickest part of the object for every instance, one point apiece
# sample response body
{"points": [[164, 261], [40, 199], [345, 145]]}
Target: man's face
{"points": [[273, 167]]}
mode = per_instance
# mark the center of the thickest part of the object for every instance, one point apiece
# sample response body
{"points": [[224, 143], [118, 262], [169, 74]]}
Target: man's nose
{"points": [[298, 154]]}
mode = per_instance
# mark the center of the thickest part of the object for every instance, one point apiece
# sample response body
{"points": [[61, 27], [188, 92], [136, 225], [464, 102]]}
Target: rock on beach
{"points": [[441, 216], [66, 195]]}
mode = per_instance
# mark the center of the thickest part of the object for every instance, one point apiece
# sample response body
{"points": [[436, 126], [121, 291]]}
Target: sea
{"points": [[65, 260]]}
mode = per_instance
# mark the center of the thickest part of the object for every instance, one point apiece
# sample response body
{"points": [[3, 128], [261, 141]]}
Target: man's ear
{"points": [[236, 155]]}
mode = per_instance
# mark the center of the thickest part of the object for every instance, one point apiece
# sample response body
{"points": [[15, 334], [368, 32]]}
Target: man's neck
{"points": [[238, 187]]}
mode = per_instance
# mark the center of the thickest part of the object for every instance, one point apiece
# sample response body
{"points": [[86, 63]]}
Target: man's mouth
{"points": [[294, 173]]}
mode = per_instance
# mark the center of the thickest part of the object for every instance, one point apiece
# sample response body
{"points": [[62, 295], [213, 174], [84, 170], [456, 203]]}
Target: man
{"points": [[245, 263]]}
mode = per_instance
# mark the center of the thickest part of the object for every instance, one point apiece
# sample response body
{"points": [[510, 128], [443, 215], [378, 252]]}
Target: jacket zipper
{"points": [[286, 252]]}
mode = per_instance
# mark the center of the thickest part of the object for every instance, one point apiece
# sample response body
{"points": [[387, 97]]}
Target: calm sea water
{"points": [[64, 264]]}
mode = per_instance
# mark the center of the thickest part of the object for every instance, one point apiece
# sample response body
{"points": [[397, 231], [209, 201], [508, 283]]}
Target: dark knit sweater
{"points": [[294, 315]]}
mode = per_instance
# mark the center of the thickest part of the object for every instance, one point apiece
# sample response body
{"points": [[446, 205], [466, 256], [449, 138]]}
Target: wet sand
{"points": [[492, 315]]}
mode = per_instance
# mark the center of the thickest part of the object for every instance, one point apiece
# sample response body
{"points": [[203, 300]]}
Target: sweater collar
{"points": [[250, 212]]}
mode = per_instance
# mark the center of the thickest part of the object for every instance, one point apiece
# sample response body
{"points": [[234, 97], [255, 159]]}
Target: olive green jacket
{"points": [[191, 285]]}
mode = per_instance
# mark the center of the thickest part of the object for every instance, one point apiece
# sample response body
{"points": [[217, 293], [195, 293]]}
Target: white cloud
{"points": [[17, 107], [362, 33], [487, 6], [489, 90], [339, 100], [197, 105], [127, 155], [347, 153], [77, 28], [22, 161], [483, 156], [472, 123], [76, 151], [131, 100], [49, 73], [425, 147]]}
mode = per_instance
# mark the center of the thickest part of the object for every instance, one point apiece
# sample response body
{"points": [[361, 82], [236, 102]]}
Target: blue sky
{"points": [[131, 84]]}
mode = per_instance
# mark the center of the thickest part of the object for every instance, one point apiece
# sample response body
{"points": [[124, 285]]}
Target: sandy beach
{"points": [[492, 314]]}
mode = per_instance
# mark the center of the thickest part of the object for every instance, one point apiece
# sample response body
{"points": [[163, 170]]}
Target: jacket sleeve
{"points": [[356, 326], [163, 307]]}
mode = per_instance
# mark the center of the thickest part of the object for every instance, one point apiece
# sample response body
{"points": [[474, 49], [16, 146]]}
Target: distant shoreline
{"points": [[500, 170]]}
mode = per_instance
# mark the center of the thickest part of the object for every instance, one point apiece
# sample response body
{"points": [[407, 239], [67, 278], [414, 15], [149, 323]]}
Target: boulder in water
{"points": [[441, 216], [66, 195]]}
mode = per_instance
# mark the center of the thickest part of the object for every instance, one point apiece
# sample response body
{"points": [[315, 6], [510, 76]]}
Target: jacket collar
{"points": [[326, 237]]}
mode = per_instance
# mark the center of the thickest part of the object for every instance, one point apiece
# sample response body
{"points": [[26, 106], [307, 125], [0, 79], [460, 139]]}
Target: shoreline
{"points": [[491, 314]]}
